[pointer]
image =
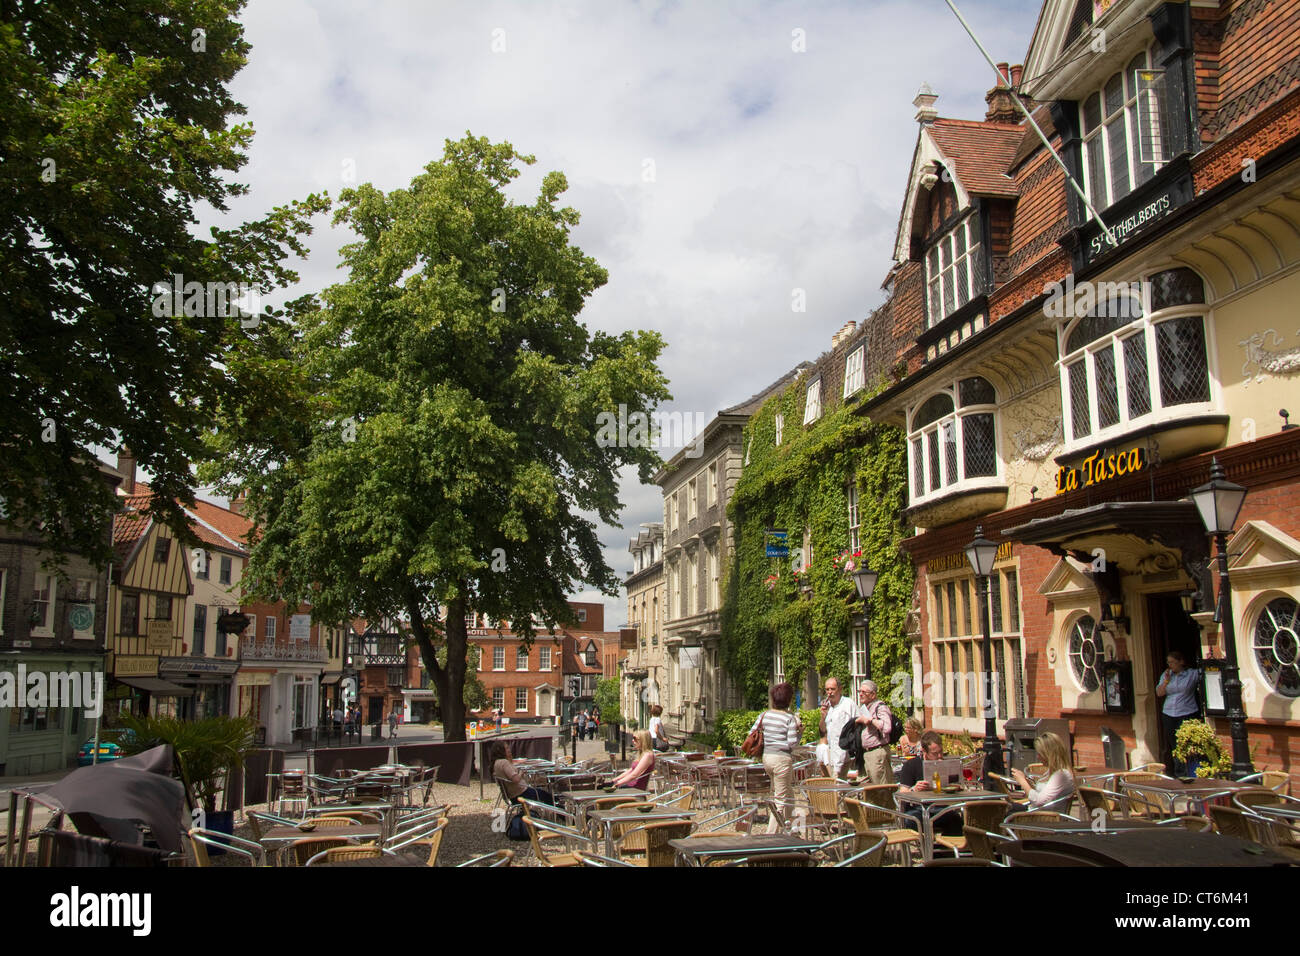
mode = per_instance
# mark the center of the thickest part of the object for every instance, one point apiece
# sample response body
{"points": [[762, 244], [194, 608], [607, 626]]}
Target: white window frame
{"points": [[544, 659], [268, 628], [941, 266], [780, 428], [521, 655], [1088, 352], [813, 404], [778, 662], [46, 627], [857, 658], [1126, 114], [855, 520], [521, 708], [498, 698], [960, 691], [713, 484], [950, 424], [582, 615], [672, 512], [498, 658], [692, 586], [855, 370], [692, 499], [713, 576]]}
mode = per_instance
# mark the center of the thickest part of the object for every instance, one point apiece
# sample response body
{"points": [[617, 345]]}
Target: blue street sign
{"points": [[777, 546]]}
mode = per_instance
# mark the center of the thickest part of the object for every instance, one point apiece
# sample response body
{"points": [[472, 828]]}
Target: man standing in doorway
{"points": [[875, 720]]}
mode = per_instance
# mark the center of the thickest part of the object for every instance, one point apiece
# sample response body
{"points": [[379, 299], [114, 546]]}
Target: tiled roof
{"points": [[981, 153], [129, 526], [235, 527], [1031, 142]]}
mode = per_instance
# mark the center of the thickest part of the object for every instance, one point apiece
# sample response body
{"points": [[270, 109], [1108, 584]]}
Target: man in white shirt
{"points": [[837, 710]]}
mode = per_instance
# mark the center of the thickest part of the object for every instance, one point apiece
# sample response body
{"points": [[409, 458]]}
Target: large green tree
{"points": [[117, 127], [431, 440]]}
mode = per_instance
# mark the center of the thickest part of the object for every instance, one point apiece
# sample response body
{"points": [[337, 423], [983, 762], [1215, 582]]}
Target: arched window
{"points": [[1085, 652], [1138, 354], [1276, 643], [952, 438]]}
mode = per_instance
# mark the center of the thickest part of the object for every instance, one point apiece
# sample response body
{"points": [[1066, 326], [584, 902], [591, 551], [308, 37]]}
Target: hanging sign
{"points": [[1099, 467], [777, 545]]}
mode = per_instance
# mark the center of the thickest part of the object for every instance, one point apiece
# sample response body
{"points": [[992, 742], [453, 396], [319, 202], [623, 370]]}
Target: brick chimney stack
{"points": [[848, 329], [1002, 105], [238, 502], [126, 465], [924, 103]]}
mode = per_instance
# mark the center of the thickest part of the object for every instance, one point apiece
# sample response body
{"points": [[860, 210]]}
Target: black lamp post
{"points": [[1219, 502], [981, 553], [864, 579]]}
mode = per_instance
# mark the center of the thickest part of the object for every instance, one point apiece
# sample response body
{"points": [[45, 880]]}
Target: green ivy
{"points": [[804, 484]]}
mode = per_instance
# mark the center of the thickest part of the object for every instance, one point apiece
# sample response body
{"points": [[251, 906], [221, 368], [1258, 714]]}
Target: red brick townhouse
{"points": [[1066, 390]]}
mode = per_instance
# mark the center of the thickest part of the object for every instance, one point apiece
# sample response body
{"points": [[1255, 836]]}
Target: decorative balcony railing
{"points": [[271, 651]]}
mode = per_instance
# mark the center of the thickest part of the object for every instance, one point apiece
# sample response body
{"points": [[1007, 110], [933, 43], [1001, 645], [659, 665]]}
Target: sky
{"points": [[722, 154]]}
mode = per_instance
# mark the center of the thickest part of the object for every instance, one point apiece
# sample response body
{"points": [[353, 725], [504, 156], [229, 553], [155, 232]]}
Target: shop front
{"points": [[211, 681]]}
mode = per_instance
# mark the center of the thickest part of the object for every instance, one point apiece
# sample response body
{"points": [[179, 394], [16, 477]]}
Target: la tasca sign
{"points": [[1099, 467]]}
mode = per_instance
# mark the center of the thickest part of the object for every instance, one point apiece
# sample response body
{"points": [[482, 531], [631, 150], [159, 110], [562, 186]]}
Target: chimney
{"points": [[126, 465], [1002, 105], [1017, 72], [848, 329], [924, 103], [237, 503]]}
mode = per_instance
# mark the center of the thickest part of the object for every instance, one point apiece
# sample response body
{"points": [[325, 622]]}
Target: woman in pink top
{"points": [[638, 775]]}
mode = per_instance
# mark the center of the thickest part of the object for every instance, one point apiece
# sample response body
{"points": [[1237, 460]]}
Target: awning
{"points": [[331, 679], [159, 688]]}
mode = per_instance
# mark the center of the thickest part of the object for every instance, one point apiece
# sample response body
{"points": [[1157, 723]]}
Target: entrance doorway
{"points": [[1171, 629], [544, 703]]}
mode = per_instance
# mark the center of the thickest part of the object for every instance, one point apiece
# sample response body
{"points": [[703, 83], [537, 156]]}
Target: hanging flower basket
{"points": [[770, 582]]}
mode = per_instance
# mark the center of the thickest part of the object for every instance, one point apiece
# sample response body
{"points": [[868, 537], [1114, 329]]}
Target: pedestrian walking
{"points": [[392, 724], [781, 734]]}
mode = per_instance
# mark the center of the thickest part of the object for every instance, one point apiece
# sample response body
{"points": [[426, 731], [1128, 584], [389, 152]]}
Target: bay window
{"points": [[952, 438], [952, 270], [1135, 357], [1122, 132]]}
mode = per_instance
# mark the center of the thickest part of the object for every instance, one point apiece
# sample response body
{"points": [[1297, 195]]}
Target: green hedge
{"points": [[733, 727]]}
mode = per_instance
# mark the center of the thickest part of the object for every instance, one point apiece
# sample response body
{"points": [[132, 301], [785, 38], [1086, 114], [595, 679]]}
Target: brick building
{"points": [[1065, 390]]}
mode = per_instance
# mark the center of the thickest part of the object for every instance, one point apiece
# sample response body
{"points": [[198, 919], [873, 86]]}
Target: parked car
{"points": [[108, 750]]}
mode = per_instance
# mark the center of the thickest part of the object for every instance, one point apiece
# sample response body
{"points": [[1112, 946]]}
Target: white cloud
{"points": [[773, 169]]}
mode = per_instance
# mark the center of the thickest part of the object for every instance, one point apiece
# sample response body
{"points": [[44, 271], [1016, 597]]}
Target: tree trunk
{"points": [[453, 701]]}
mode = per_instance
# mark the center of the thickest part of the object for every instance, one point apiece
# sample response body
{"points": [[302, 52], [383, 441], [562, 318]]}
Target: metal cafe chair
{"points": [[494, 859], [201, 839], [341, 854]]}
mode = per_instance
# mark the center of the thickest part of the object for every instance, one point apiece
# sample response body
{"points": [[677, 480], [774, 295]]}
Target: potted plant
{"points": [[1199, 748], [206, 751]]}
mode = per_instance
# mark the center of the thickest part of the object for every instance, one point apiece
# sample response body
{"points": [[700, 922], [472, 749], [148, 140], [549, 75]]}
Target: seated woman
{"points": [[1058, 782], [909, 745], [507, 775], [638, 775]]}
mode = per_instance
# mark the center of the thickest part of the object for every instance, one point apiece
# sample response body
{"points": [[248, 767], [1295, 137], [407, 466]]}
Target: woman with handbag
{"points": [[773, 737]]}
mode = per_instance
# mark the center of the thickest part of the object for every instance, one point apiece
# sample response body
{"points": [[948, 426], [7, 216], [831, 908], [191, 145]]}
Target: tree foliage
{"points": [[117, 128], [607, 698], [803, 483], [432, 445]]}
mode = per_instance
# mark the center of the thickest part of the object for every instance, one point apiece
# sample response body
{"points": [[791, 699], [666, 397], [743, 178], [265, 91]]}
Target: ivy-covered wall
{"points": [[801, 484]]}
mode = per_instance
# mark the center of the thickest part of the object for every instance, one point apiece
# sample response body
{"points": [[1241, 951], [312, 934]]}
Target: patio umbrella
{"points": [[108, 799]]}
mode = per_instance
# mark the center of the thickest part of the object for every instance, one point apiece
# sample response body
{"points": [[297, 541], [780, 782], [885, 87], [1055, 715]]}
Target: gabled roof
{"points": [[980, 154], [130, 527], [977, 155]]}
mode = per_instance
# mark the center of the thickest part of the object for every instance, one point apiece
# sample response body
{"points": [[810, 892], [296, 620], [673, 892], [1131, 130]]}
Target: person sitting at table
{"points": [[909, 745], [638, 775], [911, 776], [1058, 782], [507, 775]]}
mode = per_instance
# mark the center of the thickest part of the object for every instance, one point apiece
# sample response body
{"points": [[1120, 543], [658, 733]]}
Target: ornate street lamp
{"points": [[864, 579], [981, 554], [1219, 502]]}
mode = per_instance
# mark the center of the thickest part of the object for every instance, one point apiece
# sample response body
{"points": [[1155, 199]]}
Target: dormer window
{"points": [[952, 270], [1121, 133], [813, 407], [855, 370], [952, 439]]}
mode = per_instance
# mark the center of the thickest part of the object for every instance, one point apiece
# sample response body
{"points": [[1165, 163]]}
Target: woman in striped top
{"points": [[782, 732]]}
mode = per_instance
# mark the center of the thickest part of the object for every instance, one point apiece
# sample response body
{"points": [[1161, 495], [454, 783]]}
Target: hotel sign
{"points": [[124, 666], [1098, 467], [957, 561], [1133, 214], [159, 637]]}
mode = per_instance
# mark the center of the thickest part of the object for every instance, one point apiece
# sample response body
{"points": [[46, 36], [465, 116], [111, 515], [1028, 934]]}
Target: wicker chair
{"points": [[984, 816], [594, 859], [361, 816], [870, 818], [259, 822], [679, 801], [737, 819], [307, 847], [340, 854], [868, 849], [981, 843], [423, 835], [327, 821], [1233, 822], [201, 839], [1035, 769], [1030, 817], [293, 790], [498, 858], [657, 835], [1250, 799], [553, 833], [880, 795]]}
